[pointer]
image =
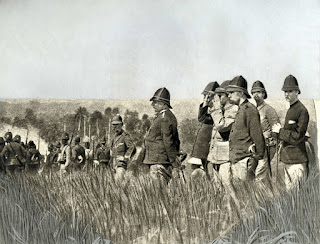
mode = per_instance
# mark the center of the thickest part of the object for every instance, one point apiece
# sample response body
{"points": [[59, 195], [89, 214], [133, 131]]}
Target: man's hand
{"points": [[252, 149], [276, 128], [216, 102], [95, 163]]}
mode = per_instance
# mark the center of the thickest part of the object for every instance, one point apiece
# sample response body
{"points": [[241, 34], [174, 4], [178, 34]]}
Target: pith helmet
{"points": [[1, 141], [239, 84], [116, 120], [17, 138], [211, 87], [31, 144], [163, 95], [290, 83], [8, 136], [222, 88], [65, 136], [86, 139], [77, 139], [259, 87]]}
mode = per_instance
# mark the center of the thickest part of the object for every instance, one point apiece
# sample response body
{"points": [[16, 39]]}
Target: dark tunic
{"points": [[246, 130], [162, 142], [122, 148], [202, 143], [13, 154], [293, 135]]}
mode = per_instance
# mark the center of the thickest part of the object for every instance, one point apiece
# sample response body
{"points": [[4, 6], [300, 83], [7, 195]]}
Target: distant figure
{"points": [[246, 141], [103, 154], [122, 147], [49, 158], [13, 155], [88, 152], [268, 118], [17, 138], [33, 158], [201, 145], [162, 142], [78, 155], [65, 155], [293, 152]]}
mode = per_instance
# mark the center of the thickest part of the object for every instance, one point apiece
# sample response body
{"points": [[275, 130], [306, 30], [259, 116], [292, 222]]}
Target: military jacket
{"points": [[65, 155], [13, 154], [246, 131], [78, 154], [202, 142], [103, 154], [122, 147], [162, 142], [33, 156], [268, 118], [293, 135], [219, 146]]}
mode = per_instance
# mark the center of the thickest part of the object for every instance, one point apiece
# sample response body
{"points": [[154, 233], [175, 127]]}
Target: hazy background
{"points": [[127, 49]]}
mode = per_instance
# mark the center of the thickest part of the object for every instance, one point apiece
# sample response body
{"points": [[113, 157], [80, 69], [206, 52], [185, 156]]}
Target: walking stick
{"points": [[277, 155]]}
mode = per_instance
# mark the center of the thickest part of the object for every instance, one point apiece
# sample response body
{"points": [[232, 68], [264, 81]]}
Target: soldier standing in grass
{"points": [[78, 154], [268, 118], [13, 155], [122, 147], [17, 138], [102, 156], [33, 158], [162, 142], [88, 152], [65, 156], [201, 145], [223, 114], [293, 152], [246, 141]]}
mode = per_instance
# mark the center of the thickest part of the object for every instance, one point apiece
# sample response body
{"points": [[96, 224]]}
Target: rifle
{"points": [[27, 137], [277, 154], [269, 160]]}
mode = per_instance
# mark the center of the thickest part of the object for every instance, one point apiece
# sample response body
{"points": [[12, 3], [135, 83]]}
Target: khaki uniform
{"points": [[64, 158], [268, 118]]}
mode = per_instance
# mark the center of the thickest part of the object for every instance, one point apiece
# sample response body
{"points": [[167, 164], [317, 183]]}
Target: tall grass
{"points": [[76, 206]]}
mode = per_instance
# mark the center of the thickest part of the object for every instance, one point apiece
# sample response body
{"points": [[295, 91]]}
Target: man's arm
{"points": [[168, 140], [68, 156], [223, 121], [130, 147], [203, 116], [255, 131], [297, 135]]}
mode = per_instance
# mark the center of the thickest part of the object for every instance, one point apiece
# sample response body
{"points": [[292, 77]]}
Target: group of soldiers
{"points": [[236, 140]]}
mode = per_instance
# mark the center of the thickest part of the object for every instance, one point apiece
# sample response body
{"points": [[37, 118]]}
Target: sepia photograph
{"points": [[159, 122]]}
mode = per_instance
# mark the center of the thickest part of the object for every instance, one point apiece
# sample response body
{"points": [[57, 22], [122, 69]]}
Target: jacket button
{"points": [[230, 149]]}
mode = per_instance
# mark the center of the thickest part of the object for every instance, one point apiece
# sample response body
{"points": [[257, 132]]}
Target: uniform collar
{"points": [[294, 103], [261, 106], [244, 102], [161, 112]]}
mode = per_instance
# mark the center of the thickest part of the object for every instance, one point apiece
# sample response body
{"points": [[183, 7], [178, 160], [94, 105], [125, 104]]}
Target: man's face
{"points": [[258, 96], [117, 128], [64, 141], [157, 106], [223, 98], [234, 97], [291, 95]]}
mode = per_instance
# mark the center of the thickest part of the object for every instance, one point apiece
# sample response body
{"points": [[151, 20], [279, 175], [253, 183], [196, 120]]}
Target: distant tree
{"points": [[5, 120], [30, 116], [145, 125], [81, 114], [108, 112], [188, 130], [133, 125], [115, 111], [96, 117]]}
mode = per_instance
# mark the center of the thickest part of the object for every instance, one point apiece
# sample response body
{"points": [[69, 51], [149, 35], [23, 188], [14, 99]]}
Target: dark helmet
{"points": [[77, 139], [31, 144], [116, 120], [2, 141], [259, 87], [65, 136], [222, 88], [239, 84], [290, 83], [17, 138], [211, 87], [8, 136], [50, 146], [163, 95]]}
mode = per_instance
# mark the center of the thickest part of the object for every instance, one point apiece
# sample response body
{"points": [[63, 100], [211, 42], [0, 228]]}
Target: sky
{"points": [[127, 49]]}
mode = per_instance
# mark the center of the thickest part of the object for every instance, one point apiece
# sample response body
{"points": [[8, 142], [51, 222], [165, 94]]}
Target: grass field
{"points": [[90, 207]]}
